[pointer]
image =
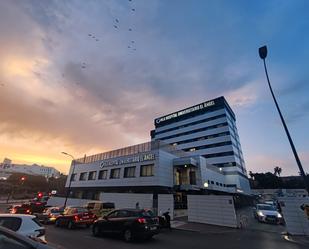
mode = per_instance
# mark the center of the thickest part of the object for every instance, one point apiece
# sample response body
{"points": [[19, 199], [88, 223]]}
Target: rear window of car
{"points": [[55, 210], [81, 210], [12, 223], [36, 220], [108, 205], [146, 213]]}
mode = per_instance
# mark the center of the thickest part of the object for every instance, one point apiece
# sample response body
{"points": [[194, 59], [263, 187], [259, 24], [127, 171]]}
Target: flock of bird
{"points": [[117, 26]]}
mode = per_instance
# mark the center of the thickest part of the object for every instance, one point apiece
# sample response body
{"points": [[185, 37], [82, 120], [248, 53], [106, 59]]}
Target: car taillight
{"points": [[141, 220], [13, 211], [76, 217], [28, 211], [41, 232]]}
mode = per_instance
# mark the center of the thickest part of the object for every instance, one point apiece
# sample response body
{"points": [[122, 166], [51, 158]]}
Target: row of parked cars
{"points": [[128, 223], [103, 217]]}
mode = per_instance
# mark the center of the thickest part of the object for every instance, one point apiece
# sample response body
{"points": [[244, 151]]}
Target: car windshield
{"points": [[266, 207]]}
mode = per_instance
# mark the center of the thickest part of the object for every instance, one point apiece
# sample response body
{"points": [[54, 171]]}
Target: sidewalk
{"points": [[200, 228], [303, 240]]}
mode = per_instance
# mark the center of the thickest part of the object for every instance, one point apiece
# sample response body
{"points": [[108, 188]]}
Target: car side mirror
{"points": [[254, 208]]}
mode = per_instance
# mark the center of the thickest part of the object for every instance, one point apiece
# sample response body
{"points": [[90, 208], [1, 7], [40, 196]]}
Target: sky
{"points": [[86, 77]]}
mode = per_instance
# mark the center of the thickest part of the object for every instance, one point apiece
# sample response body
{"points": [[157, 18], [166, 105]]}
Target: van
{"points": [[100, 208]]}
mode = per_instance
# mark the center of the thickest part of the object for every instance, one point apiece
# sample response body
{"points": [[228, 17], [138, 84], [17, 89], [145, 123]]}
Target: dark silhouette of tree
{"points": [[277, 171]]}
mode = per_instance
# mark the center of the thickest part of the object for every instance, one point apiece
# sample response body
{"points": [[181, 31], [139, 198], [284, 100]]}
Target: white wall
{"points": [[212, 209], [59, 201], [128, 200], [165, 202], [297, 221]]}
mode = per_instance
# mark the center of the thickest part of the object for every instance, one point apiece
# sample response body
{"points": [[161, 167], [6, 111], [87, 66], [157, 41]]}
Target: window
{"points": [[92, 175], [212, 182], [83, 176], [217, 183], [115, 173], [147, 170], [12, 223], [73, 177], [102, 174], [129, 172], [221, 184], [8, 241]]}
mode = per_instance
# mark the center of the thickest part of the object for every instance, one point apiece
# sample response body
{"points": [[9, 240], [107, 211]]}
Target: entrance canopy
{"points": [[185, 161]]}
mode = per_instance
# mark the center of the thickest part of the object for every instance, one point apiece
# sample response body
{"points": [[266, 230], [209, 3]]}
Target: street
{"points": [[62, 238]]}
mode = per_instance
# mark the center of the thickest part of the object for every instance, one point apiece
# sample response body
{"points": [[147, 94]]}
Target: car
{"points": [[75, 216], [28, 208], [27, 225], [50, 214], [12, 240], [128, 223], [100, 208], [268, 214]]}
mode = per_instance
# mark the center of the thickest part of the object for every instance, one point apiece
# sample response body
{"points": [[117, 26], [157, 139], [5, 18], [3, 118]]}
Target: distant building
{"points": [[7, 168]]}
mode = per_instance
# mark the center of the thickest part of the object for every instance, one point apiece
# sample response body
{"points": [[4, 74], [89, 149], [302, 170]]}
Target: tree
{"points": [[277, 171]]}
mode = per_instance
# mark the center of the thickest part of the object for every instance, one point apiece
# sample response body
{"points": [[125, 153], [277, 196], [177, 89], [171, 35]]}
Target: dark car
{"points": [[28, 208], [128, 223], [12, 240], [75, 216], [49, 214]]}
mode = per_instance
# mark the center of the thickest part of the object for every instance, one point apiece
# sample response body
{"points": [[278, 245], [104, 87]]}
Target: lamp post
{"points": [[263, 55], [70, 178]]}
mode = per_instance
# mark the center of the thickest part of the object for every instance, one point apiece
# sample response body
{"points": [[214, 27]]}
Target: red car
{"points": [[75, 216]]}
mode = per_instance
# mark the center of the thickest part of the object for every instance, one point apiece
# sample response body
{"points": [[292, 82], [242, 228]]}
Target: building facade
{"points": [[195, 150], [209, 130]]}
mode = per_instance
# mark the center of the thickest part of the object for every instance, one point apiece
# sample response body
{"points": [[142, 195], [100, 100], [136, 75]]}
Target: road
{"points": [[62, 238]]}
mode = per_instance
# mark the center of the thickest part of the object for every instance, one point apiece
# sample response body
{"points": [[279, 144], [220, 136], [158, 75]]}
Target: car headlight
{"points": [[260, 213], [279, 215]]}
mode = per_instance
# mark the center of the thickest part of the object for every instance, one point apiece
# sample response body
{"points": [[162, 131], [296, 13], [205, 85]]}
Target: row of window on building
{"points": [[129, 172]]}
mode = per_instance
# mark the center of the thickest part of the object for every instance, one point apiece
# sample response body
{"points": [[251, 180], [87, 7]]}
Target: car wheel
{"points": [[57, 223], [70, 225], [96, 231], [127, 235]]}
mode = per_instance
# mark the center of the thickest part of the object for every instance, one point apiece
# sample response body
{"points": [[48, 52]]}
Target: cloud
{"points": [[66, 91], [266, 162]]}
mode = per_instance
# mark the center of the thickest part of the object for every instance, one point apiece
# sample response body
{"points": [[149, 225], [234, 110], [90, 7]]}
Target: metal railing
{"points": [[131, 150]]}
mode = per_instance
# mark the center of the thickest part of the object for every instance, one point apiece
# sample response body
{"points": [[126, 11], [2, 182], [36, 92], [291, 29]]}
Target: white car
{"points": [[24, 224], [268, 214]]}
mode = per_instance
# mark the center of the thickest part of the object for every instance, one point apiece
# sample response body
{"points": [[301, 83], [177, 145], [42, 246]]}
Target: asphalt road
{"points": [[62, 238]]}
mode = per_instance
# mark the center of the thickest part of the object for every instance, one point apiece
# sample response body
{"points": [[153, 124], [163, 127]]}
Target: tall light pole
{"points": [[263, 55], [70, 178]]}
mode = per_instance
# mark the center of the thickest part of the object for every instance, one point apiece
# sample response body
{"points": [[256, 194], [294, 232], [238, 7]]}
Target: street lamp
{"points": [[70, 178], [263, 55]]}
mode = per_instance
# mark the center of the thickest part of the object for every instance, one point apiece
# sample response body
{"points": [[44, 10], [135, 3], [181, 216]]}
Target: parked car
{"points": [[100, 208], [28, 208], [12, 240], [267, 213], [50, 214], [27, 225], [75, 216], [128, 223]]}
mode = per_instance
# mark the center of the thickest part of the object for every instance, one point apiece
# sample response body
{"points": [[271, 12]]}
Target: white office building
{"points": [[209, 130], [195, 150]]}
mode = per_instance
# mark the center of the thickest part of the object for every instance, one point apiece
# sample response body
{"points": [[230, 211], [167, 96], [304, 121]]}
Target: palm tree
{"points": [[277, 171]]}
